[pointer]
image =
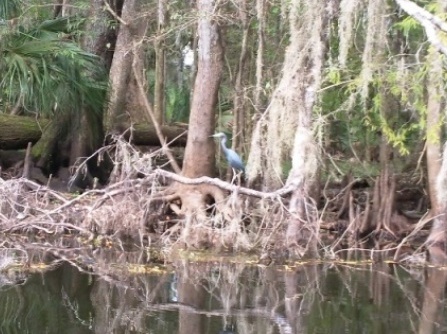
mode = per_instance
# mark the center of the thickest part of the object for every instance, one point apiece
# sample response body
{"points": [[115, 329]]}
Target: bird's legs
{"points": [[236, 177]]}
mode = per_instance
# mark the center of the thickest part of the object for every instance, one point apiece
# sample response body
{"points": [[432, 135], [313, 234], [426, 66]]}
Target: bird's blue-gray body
{"points": [[234, 160]]}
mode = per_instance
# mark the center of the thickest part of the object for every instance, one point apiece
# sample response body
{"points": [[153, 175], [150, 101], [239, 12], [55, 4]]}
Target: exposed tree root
{"points": [[152, 206]]}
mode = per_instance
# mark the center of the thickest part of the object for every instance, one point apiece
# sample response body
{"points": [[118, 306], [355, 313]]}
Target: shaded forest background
{"points": [[339, 103]]}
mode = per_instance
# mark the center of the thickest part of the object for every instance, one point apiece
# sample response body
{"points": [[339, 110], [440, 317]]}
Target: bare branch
{"points": [[157, 127], [430, 22], [225, 185], [114, 14]]}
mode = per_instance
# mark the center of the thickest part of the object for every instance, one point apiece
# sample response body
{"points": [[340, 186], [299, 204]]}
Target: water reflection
{"points": [[222, 297]]}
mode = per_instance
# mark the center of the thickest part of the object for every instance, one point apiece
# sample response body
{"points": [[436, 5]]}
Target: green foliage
{"points": [[395, 101], [177, 103], [408, 26], [45, 69]]}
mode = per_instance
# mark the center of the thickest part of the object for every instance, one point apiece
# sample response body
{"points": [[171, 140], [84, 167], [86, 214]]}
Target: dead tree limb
{"points": [[431, 23], [157, 126], [225, 185]]}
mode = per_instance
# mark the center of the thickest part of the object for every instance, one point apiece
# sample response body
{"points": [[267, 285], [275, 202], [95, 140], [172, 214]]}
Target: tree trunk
{"points": [[293, 99], [51, 151], [437, 171], [121, 69], [87, 133], [159, 46], [239, 127], [200, 148], [101, 37], [437, 240], [434, 107], [297, 91], [62, 8], [260, 13]]}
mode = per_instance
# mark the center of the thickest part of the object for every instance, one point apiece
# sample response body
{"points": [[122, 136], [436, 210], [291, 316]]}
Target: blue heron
{"points": [[234, 160]]}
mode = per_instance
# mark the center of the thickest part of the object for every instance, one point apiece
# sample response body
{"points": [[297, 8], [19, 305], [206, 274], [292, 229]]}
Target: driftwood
{"points": [[17, 131]]}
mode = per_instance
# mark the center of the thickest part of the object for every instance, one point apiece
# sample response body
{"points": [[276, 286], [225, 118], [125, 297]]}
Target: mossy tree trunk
{"points": [[285, 130], [123, 101], [87, 131], [52, 149]]}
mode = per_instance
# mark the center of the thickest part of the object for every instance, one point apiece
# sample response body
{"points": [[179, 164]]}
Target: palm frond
{"points": [[43, 68]]}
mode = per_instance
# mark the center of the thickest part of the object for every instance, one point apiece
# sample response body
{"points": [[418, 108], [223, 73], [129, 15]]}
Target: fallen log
{"points": [[17, 131]]}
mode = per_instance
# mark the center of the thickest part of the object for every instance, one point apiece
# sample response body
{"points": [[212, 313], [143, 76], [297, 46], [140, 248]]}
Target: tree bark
{"points": [[435, 104], [101, 37], [434, 125], [87, 132], [200, 148], [260, 14], [239, 127], [49, 150], [298, 89], [121, 69], [62, 8], [159, 46]]}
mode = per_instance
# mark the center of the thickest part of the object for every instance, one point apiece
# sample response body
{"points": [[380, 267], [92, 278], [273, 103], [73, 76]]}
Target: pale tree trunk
{"points": [[437, 240], [303, 83], [293, 99], [288, 123], [128, 43], [200, 148], [192, 76], [435, 101], [159, 46], [260, 14], [239, 128]]}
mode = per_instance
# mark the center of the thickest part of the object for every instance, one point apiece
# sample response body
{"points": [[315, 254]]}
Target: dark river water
{"points": [[187, 297]]}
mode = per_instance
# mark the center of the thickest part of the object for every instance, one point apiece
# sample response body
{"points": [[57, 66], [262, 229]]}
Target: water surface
{"points": [[113, 296]]}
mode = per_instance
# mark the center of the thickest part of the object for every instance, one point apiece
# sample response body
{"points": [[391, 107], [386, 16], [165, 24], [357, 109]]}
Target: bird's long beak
{"points": [[212, 136]]}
